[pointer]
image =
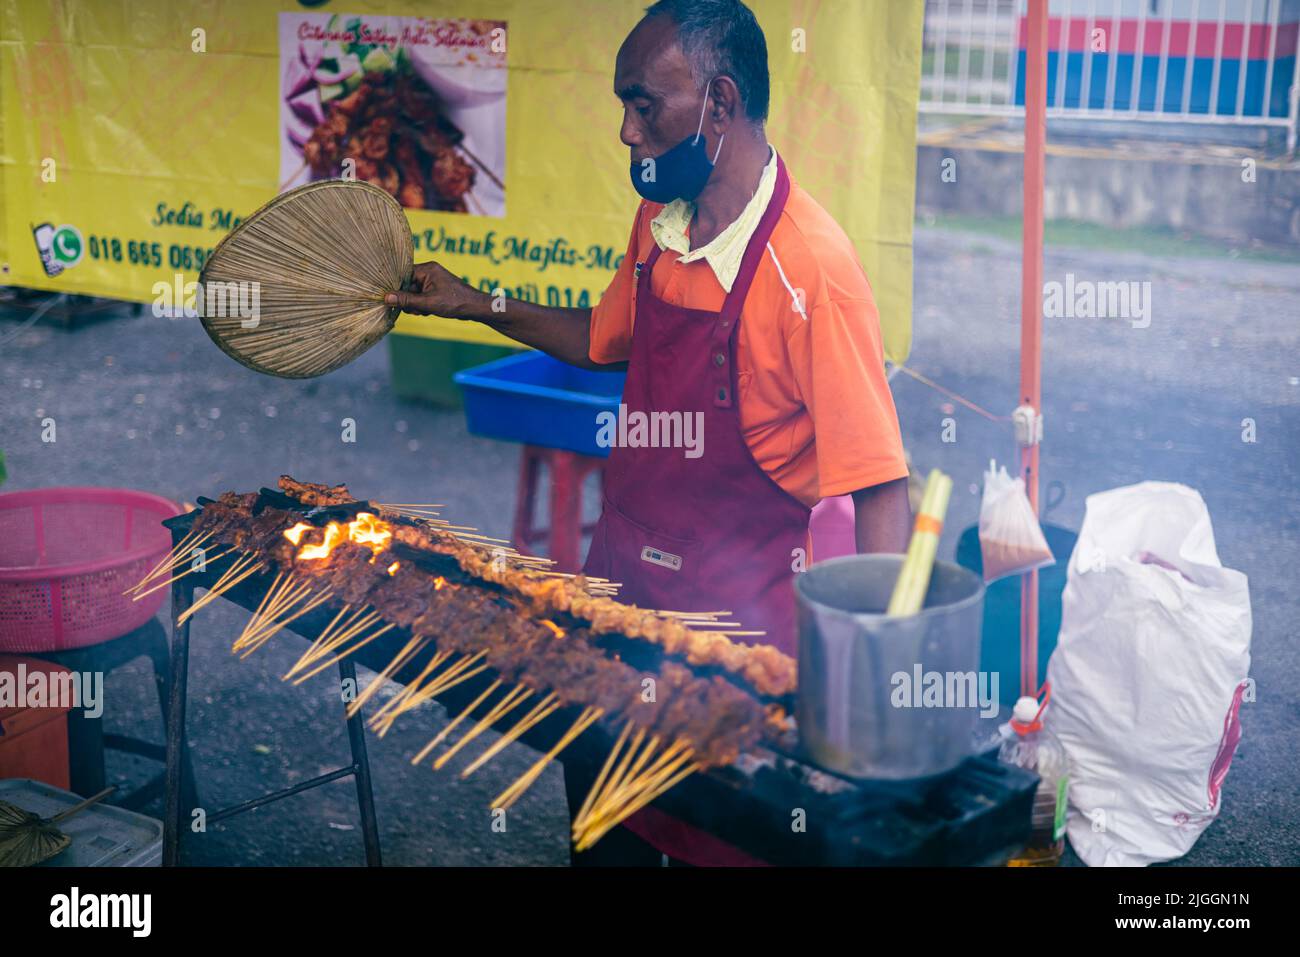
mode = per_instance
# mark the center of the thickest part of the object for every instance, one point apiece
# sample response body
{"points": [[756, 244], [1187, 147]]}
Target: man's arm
{"points": [[562, 333], [883, 517]]}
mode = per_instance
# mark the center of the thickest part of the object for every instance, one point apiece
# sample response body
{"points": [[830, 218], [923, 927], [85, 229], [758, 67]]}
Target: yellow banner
{"points": [[135, 133]]}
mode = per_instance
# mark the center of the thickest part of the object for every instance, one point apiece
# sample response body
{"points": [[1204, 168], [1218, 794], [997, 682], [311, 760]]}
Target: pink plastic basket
{"points": [[66, 556]]}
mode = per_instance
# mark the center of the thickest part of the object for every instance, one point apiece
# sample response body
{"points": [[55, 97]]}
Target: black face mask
{"points": [[679, 173]]}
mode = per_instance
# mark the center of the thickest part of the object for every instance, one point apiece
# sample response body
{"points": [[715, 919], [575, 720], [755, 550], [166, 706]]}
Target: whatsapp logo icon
{"points": [[67, 246]]}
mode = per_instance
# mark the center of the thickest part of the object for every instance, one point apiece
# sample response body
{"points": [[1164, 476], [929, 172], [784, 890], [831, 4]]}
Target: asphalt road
{"points": [[152, 404]]}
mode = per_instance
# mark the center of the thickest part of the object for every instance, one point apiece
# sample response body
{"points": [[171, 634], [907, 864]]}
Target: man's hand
{"points": [[433, 291], [563, 333]]}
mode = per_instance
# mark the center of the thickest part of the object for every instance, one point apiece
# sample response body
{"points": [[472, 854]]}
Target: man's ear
{"points": [[725, 105]]}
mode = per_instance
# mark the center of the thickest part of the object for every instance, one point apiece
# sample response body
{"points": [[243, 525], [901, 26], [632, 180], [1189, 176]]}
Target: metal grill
{"points": [[977, 813]]}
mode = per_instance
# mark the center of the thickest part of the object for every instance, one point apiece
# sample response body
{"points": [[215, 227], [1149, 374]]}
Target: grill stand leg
{"points": [[177, 749], [180, 792], [361, 771], [160, 656]]}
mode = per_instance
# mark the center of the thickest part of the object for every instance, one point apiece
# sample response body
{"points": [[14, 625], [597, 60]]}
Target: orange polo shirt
{"points": [[814, 403]]}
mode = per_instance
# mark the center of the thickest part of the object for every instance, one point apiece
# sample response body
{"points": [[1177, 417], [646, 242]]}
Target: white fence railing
{"points": [[1184, 61]]}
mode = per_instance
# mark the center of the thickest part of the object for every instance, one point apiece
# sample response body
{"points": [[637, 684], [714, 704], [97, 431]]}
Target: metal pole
{"points": [[174, 812], [1293, 109], [1031, 308], [361, 768]]}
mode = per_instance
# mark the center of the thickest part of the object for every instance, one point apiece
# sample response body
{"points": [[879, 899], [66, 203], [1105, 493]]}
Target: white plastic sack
{"points": [[1011, 540], [1148, 674]]}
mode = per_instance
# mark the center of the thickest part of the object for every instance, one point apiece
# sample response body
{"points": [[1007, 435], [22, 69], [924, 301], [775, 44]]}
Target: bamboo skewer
{"points": [[273, 626], [623, 799], [356, 646], [188, 571], [266, 621], [619, 789], [241, 568], [279, 585], [636, 767], [360, 621], [409, 651], [410, 689], [671, 753], [631, 793], [512, 700], [540, 712], [604, 772], [908, 596], [450, 683], [441, 735], [592, 837], [450, 677], [193, 540], [612, 784], [171, 560], [632, 797], [481, 165], [335, 634], [516, 790], [616, 778], [425, 694]]}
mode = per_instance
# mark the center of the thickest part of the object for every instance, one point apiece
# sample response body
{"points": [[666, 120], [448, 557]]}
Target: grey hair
{"points": [[722, 38]]}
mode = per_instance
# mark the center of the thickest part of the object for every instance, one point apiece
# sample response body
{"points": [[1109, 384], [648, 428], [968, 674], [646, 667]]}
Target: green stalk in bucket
{"points": [[914, 577]]}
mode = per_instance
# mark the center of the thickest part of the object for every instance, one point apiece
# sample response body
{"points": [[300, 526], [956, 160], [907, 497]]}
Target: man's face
{"points": [[661, 104]]}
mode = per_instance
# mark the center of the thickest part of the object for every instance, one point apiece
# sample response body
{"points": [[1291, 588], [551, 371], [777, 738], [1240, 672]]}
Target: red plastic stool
{"points": [[568, 472]]}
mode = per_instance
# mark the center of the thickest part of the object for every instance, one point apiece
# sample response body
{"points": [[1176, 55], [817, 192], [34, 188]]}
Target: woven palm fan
{"points": [[323, 255], [27, 839]]}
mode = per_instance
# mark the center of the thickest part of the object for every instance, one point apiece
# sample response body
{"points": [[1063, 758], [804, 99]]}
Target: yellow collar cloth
{"points": [[727, 249]]}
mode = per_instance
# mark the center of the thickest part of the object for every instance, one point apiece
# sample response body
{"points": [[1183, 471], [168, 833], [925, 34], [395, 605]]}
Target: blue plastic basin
{"points": [[537, 400]]}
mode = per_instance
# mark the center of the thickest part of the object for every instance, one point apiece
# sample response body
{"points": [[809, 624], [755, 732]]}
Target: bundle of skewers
{"points": [[473, 606], [908, 597]]}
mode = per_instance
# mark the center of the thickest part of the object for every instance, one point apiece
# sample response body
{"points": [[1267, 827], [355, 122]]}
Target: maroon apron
{"points": [[703, 533]]}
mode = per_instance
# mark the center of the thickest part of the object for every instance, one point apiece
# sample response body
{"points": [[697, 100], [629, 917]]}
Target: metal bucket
{"points": [[862, 710]]}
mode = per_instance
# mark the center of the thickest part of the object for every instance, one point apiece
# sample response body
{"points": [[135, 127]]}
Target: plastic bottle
{"points": [[1027, 744]]}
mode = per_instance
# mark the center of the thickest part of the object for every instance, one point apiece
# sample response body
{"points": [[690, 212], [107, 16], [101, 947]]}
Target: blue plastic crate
{"points": [[537, 400]]}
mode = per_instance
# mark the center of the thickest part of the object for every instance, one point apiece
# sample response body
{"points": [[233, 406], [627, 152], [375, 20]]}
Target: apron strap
{"points": [[649, 264], [722, 343], [757, 245]]}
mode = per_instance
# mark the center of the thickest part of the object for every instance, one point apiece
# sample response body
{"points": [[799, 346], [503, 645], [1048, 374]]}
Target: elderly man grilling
{"points": [[740, 303]]}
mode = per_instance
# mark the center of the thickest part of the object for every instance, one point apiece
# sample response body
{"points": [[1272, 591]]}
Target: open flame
{"points": [[559, 632], [366, 529]]}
